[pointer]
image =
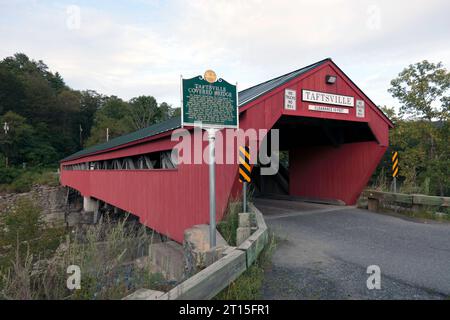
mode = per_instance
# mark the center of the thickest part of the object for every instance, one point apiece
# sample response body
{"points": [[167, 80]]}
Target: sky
{"points": [[141, 47]]}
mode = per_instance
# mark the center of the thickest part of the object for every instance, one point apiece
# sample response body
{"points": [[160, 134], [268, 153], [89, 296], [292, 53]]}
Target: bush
{"points": [[16, 180], [24, 233], [7, 175], [22, 184], [47, 178]]}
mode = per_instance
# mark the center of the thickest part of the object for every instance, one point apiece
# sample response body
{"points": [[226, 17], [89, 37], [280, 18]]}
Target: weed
{"points": [[249, 285]]}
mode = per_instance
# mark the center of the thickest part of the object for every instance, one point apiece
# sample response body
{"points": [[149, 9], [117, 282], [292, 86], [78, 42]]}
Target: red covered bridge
{"points": [[333, 133]]}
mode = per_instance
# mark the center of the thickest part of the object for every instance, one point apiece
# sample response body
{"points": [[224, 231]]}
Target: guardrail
{"points": [[210, 281], [413, 201]]}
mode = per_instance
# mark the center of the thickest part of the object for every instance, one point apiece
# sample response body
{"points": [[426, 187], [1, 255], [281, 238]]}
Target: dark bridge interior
{"points": [[304, 131], [298, 132]]}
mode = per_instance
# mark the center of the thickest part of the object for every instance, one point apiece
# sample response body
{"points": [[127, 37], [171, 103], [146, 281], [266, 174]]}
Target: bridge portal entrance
{"points": [[318, 158]]}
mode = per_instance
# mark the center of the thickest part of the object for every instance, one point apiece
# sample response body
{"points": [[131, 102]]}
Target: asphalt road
{"points": [[324, 252]]}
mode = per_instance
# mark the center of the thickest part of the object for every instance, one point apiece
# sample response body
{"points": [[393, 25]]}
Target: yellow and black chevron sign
{"points": [[395, 164], [244, 164]]}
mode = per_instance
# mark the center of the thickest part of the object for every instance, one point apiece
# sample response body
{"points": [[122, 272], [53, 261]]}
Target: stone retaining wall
{"points": [[50, 199]]}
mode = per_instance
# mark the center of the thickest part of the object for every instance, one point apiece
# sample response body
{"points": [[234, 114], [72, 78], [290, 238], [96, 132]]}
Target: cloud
{"points": [[143, 47]]}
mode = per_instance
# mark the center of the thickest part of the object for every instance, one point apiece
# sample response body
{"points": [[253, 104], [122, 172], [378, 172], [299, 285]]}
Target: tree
{"points": [[422, 138], [113, 115], [11, 91], [420, 88], [49, 120], [168, 111], [91, 101], [144, 111]]}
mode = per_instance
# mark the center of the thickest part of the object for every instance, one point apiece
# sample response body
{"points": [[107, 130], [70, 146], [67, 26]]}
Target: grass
{"points": [[228, 226], [421, 214], [249, 285], [24, 232], [35, 259]]}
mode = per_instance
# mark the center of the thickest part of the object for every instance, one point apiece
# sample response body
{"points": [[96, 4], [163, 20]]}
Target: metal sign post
{"points": [[211, 104], [244, 197], [212, 186]]}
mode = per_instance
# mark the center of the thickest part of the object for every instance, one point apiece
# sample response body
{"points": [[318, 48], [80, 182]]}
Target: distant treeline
{"points": [[43, 120]]}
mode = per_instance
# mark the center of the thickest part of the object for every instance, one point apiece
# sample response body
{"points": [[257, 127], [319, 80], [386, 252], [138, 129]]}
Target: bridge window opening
{"points": [[149, 161]]}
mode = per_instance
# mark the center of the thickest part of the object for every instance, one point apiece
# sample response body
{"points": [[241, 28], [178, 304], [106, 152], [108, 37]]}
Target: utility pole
{"points": [[81, 136], [107, 134], [6, 129]]}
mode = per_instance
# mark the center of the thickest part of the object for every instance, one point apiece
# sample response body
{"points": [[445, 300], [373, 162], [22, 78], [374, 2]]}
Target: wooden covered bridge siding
{"points": [[171, 200]]}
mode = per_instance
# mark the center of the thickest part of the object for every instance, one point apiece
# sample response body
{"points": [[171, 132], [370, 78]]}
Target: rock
{"points": [[197, 252], [50, 199]]}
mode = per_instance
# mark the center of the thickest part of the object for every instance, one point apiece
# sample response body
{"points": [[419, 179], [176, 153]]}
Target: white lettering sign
{"points": [[360, 109], [290, 99], [328, 98], [327, 109]]}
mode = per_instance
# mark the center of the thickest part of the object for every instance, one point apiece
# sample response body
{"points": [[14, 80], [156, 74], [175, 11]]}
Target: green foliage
{"points": [[49, 121], [422, 138], [144, 111], [24, 233], [249, 285], [121, 117], [113, 115], [43, 114], [103, 252], [419, 88], [228, 226], [8, 174], [17, 180]]}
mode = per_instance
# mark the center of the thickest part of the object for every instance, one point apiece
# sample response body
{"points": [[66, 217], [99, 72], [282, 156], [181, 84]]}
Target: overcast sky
{"points": [[140, 47]]}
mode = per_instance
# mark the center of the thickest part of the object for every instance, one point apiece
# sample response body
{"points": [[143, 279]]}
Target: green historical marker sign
{"points": [[209, 102]]}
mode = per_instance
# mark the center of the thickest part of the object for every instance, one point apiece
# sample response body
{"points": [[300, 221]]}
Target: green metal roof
{"points": [[247, 95], [244, 97], [153, 130]]}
